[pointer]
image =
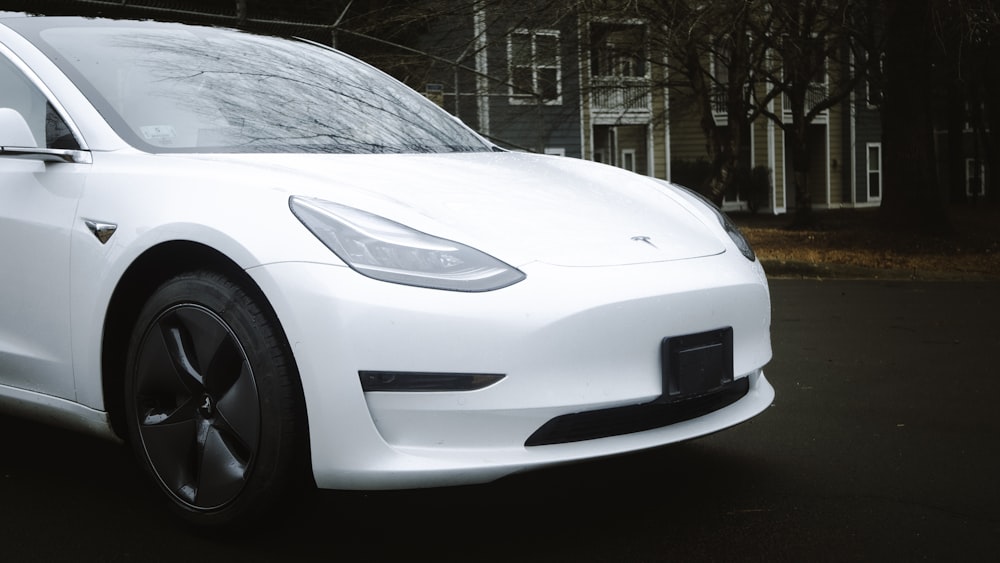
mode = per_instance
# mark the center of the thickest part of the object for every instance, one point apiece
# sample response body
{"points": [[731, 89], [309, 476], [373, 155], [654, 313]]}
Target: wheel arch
{"points": [[143, 276], [146, 273]]}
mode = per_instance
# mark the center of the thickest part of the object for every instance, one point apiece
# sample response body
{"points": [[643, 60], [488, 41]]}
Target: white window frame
{"points": [[717, 86], [627, 154], [970, 165], [517, 98], [876, 169], [555, 151]]}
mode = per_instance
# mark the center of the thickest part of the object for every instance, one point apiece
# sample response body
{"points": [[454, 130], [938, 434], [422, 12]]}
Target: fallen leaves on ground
{"points": [[853, 243]]}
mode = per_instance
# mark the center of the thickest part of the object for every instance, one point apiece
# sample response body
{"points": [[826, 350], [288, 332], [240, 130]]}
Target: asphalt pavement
{"points": [[883, 444]]}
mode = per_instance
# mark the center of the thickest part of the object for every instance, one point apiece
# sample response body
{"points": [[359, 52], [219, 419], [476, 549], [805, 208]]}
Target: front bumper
{"points": [[567, 340]]}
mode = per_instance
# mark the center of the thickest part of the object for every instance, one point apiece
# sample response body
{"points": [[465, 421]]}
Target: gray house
{"points": [[588, 87], [514, 80]]}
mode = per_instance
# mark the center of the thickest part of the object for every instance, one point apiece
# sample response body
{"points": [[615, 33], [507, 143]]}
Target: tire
{"points": [[213, 401]]}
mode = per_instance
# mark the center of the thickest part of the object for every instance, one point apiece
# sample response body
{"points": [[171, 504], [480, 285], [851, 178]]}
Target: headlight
{"points": [[727, 224], [388, 251], [738, 238]]}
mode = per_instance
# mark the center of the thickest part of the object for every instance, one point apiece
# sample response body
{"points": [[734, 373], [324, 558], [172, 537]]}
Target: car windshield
{"points": [[170, 88]]}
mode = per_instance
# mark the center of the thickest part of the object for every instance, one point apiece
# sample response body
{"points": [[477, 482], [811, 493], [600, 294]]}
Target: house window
{"points": [[534, 67], [617, 50], [719, 69], [628, 159], [874, 171], [874, 78], [975, 177], [975, 116], [555, 151]]}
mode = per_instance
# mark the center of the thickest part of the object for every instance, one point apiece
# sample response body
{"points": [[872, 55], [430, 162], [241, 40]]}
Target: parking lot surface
{"points": [[883, 444]]}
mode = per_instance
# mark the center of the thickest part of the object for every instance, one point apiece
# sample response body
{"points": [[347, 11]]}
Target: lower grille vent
{"points": [[616, 421]]}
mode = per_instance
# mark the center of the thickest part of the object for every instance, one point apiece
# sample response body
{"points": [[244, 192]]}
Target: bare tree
{"points": [[937, 50], [811, 71], [788, 60], [712, 58]]}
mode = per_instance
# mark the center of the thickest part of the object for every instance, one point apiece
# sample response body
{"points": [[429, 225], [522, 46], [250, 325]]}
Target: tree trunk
{"points": [[991, 84], [956, 131], [797, 150], [913, 197], [713, 187], [241, 12], [723, 144]]}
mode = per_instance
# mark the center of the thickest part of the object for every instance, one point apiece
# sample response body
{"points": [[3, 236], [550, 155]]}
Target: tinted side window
{"points": [[57, 134]]}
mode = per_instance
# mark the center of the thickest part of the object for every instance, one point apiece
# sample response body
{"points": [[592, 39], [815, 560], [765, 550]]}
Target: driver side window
{"points": [[46, 125]]}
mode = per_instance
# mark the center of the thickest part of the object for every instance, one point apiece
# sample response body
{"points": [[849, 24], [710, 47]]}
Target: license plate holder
{"points": [[696, 364]]}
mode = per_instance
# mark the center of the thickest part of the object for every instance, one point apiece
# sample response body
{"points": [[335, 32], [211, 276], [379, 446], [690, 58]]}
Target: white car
{"points": [[261, 262]]}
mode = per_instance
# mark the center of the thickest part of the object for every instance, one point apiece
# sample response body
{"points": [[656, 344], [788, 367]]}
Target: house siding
{"points": [[538, 126], [833, 170], [658, 127], [763, 155], [687, 140], [448, 38], [780, 203], [867, 129]]}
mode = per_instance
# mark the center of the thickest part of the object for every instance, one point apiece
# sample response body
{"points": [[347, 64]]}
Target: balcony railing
{"points": [[817, 93], [620, 94], [720, 98]]}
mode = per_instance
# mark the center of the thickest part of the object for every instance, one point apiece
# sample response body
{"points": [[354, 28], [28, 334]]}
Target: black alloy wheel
{"points": [[213, 400]]}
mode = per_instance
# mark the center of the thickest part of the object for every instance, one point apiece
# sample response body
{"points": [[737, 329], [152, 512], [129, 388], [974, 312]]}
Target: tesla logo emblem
{"points": [[644, 239]]}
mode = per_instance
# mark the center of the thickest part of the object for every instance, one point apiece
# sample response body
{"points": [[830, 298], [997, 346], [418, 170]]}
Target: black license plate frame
{"points": [[697, 364]]}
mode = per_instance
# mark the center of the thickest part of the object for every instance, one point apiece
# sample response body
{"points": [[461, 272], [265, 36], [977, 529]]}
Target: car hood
{"points": [[519, 207]]}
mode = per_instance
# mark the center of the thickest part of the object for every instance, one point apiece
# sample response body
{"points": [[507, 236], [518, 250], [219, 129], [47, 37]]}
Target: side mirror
{"points": [[14, 130], [17, 141]]}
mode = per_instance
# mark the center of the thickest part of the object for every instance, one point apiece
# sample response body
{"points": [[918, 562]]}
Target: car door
{"points": [[38, 201]]}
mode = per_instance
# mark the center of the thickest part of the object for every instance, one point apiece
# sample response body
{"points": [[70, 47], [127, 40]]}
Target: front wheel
{"points": [[212, 399]]}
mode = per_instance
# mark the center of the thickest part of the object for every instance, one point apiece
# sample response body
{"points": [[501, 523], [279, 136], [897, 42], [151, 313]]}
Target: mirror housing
{"points": [[17, 141], [14, 130]]}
